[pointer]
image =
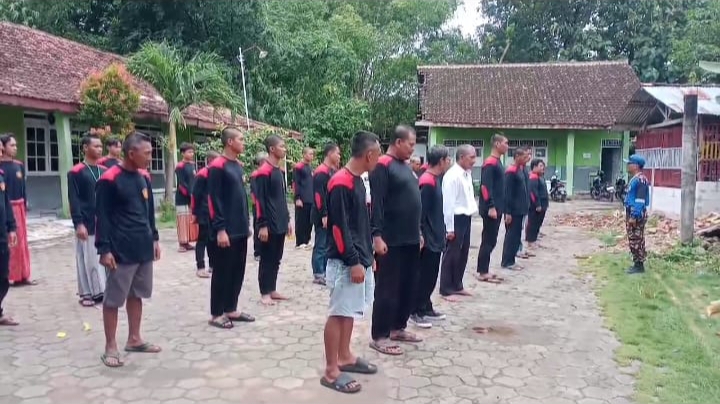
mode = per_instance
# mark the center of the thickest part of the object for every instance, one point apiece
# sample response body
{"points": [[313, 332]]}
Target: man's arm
{"points": [[427, 197], [151, 210], [74, 199], [104, 196], [214, 195], [320, 188], [510, 193], [297, 182], [378, 193], [262, 185], [487, 183], [183, 186], [449, 192], [10, 222], [340, 199], [534, 194]]}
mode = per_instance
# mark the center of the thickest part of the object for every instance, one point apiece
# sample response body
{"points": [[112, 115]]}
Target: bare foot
{"points": [[481, 330], [463, 292], [277, 296], [451, 298], [267, 300]]}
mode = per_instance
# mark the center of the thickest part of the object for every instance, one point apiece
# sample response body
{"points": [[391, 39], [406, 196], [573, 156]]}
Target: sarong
{"points": [[91, 275], [187, 232], [20, 253]]}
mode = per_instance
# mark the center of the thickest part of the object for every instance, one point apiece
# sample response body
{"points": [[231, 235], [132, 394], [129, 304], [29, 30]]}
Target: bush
{"points": [[109, 101]]}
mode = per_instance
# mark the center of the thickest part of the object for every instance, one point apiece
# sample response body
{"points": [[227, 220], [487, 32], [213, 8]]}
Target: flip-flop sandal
{"points": [[406, 337], [489, 279], [242, 318], [361, 366], [224, 324], [8, 321], [87, 302], [105, 358], [500, 278], [387, 349], [143, 348], [341, 384], [481, 330]]}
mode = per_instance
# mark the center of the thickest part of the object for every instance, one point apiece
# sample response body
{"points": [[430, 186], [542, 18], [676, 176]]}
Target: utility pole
{"points": [[689, 168]]}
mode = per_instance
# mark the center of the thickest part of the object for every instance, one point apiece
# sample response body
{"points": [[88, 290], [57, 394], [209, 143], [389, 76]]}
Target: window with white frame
{"points": [[157, 162], [478, 144], [539, 147], [41, 145]]}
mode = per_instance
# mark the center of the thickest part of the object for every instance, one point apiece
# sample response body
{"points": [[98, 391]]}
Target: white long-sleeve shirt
{"points": [[458, 195]]}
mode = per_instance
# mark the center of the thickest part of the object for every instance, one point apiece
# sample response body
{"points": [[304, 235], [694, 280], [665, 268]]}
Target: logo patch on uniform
{"points": [[2, 186], [145, 193], [19, 174]]}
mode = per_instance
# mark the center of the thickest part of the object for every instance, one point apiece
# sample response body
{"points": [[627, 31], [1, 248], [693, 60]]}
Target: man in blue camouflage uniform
{"points": [[636, 203]]}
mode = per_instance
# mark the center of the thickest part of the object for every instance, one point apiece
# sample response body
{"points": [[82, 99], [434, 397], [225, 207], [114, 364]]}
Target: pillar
{"points": [[65, 163], [625, 151], [570, 163], [432, 137]]}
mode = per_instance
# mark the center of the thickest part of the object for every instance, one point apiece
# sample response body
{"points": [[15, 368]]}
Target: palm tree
{"points": [[183, 81]]}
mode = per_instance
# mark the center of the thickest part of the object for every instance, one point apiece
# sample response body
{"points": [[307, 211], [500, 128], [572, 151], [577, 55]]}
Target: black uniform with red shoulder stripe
{"points": [[199, 197], [7, 218], [321, 177], [185, 173], [348, 220], [108, 162], [227, 198], [82, 179], [492, 186], [269, 198], [432, 223], [125, 215], [15, 186], [303, 182]]}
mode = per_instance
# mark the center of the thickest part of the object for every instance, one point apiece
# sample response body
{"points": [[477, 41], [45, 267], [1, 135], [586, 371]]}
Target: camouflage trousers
{"points": [[636, 237]]}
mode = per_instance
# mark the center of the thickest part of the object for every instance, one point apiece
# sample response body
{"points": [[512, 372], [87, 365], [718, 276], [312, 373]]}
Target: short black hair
{"points": [[113, 141], [329, 148], [185, 146], [133, 140], [362, 141], [497, 138], [536, 162], [402, 132], [272, 141], [211, 154], [260, 157], [228, 133], [437, 154], [87, 139], [6, 137]]}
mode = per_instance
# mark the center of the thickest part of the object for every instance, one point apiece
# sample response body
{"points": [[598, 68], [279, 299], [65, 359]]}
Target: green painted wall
{"points": [[11, 120]]}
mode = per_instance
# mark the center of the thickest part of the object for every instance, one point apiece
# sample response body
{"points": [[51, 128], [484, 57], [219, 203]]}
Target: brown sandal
{"points": [[387, 349]]}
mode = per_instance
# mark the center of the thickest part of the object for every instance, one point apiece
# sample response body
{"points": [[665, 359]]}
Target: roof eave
{"points": [[573, 126]]}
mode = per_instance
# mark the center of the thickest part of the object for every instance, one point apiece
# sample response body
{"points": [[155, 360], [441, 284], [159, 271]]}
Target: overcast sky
{"points": [[467, 17]]}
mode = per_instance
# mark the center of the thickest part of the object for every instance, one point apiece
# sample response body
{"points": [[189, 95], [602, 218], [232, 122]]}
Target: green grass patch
{"points": [[659, 318], [166, 216], [609, 238]]}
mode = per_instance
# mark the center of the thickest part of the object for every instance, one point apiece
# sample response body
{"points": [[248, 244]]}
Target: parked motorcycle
{"points": [[620, 189], [557, 190], [599, 189]]}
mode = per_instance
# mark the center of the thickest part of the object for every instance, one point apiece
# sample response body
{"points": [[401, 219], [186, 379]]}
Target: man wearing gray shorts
{"points": [[349, 272], [127, 242]]}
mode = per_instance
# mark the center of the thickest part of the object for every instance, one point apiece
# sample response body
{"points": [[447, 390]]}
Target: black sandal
{"points": [[221, 322], [342, 384], [242, 318]]}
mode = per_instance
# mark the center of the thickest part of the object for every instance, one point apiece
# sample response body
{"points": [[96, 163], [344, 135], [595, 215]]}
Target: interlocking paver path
{"points": [[548, 343]]}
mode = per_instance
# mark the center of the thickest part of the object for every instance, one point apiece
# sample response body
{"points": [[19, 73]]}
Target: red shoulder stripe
{"points": [[427, 179]]}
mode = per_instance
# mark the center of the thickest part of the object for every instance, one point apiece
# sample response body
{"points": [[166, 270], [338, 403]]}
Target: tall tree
{"points": [[182, 81], [700, 40]]}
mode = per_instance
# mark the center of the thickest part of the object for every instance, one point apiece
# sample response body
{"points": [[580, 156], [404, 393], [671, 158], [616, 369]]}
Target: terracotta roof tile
{"points": [[544, 95]]}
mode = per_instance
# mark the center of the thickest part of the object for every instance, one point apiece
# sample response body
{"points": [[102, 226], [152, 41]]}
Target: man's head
{"points": [[187, 151], [331, 154], [9, 145], [537, 166], [260, 158], [415, 163], [438, 157], [308, 155], [365, 150], [635, 163], [403, 142], [528, 154], [275, 146], [137, 150], [114, 146], [233, 140], [499, 143], [210, 156], [92, 146], [465, 156], [520, 156]]}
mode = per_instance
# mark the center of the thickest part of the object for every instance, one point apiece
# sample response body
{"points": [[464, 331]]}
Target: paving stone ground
{"points": [[549, 345]]}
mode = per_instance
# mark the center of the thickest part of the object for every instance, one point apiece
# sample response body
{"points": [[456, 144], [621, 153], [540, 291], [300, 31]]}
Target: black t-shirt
{"points": [[395, 199], [15, 185], [321, 177], [538, 192], [432, 222], [185, 173], [108, 162], [7, 218], [517, 199], [199, 197], [492, 186], [82, 179], [125, 215], [270, 199], [348, 220], [303, 182], [228, 206]]}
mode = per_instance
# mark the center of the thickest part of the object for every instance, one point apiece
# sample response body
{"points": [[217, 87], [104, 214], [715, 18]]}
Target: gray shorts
{"points": [[348, 299], [128, 280]]}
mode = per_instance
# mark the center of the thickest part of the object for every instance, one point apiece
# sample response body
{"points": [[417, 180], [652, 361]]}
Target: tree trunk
{"points": [[170, 162], [688, 179]]}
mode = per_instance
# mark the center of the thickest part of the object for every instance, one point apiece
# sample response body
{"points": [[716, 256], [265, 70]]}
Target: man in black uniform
{"points": [[321, 176], [127, 241], [185, 172], [272, 216], [199, 208], [303, 190], [350, 265], [395, 199], [7, 238], [539, 202], [491, 206], [114, 147], [260, 159], [230, 223], [517, 204]]}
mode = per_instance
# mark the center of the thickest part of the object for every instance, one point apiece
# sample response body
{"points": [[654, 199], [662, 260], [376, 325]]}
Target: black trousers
{"points": [[429, 269], [4, 274], [513, 236], [455, 258], [534, 222], [491, 228], [228, 275], [303, 224], [395, 285], [271, 253], [201, 245], [256, 239]]}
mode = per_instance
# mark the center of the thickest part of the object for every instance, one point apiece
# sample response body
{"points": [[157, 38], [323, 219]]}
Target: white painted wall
{"points": [[667, 200]]}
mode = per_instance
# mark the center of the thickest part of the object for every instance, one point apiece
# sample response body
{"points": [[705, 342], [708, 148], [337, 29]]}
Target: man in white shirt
{"points": [[458, 207]]}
